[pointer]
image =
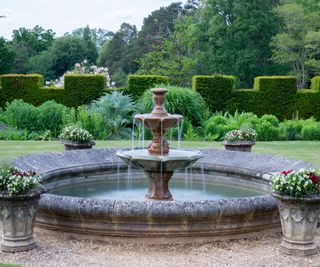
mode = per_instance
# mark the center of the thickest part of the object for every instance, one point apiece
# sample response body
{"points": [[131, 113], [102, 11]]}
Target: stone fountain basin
{"points": [[157, 222], [174, 160]]}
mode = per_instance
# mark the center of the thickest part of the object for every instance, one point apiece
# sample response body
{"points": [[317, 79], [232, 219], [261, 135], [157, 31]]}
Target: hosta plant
{"points": [[241, 135], [297, 183], [75, 134], [15, 182]]}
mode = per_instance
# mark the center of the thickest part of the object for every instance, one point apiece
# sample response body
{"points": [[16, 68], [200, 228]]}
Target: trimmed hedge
{"points": [[315, 83], [216, 90], [277, 95], [137, 84], [78, 89]]}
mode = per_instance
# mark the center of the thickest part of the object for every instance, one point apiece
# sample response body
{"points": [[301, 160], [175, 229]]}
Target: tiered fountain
{"points": [[158, 161]]}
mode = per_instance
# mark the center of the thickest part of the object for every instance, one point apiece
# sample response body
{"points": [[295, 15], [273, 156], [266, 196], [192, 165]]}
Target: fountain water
{"points": [[158, 161]]}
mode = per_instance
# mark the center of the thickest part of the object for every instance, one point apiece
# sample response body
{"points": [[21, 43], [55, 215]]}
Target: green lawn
{"points": [[304, 150]]}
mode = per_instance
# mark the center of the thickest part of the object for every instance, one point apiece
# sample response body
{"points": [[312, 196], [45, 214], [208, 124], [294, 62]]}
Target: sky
{"points": [[66, 15]]}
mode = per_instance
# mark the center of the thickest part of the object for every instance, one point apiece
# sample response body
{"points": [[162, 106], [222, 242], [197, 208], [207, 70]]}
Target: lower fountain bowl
{"points": [[174, 160], [141, 221]]}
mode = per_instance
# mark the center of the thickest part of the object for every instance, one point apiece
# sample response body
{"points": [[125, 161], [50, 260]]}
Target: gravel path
{"points": [[66, 250]]}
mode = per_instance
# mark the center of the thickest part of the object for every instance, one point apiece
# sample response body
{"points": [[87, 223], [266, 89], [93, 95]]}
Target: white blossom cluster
{"points": [[297, 183], [82, 68], [75, 134], [241, 135], [16, 182]]}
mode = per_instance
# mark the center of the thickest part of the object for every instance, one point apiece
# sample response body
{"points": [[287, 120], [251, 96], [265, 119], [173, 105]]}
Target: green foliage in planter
{"points": [[137, 84], [78, 89], [216, 90], [183, 101], [315, 83]]}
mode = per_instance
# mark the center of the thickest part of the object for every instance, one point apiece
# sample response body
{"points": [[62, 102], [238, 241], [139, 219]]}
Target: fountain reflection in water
{"points": [[158, 162]]}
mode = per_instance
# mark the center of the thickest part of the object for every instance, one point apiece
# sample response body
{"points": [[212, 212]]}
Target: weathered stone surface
{"points": [[299, 219], [17, 218], [158, 221]]}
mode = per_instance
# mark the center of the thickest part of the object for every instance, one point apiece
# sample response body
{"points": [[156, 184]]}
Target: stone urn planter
{"points": [[299, 219], [69, 145], [243, 146], [17, 218]]}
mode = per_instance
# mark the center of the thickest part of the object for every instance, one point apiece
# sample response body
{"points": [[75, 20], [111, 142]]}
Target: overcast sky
{"points": [[66, 15]]}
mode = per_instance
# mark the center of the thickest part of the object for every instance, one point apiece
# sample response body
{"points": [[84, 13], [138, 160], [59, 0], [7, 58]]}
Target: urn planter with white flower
{"points": [[297, 194], [240, 140], [76, 138], [19, 198]]}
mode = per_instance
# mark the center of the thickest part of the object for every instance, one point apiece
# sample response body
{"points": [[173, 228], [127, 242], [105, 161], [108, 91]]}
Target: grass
{"points": [[303, 150]]}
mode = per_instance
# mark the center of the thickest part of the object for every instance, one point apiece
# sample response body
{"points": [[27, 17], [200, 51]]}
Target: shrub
{"points": [[137, 84], [50, 117], [267, 132], [311, 132], [183, 101], [21, 115], [94, 122], [273, 120], [315, 83], [291, 129], [216, 90], [117, 110]]}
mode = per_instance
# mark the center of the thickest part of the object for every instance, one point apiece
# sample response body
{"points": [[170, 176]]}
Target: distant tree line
{"points": [[236, 37]]}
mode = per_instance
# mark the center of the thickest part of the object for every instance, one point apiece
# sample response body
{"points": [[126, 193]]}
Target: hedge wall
{"points": [[78, 89], [277, 95], [137, 84], [216, 90], [315, 83]]}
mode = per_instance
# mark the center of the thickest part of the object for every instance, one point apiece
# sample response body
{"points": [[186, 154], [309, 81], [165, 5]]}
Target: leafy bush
{"points": [[117, 110], [21, 115], [311, 131], [92, 121], [267, 132], [315, 83], [50, 117], [290, 129], [183, 101], [273, 120]]}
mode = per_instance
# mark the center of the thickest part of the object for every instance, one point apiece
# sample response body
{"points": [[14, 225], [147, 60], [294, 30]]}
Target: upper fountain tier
{"points": [[158, 121]]}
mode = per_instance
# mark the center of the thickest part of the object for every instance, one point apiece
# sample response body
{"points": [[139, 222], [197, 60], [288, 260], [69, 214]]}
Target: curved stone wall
{"points": [[157, 221]]}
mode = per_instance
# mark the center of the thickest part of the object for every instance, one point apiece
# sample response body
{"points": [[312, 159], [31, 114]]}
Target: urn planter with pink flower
{"points": [[19, 197], [297, 194]]}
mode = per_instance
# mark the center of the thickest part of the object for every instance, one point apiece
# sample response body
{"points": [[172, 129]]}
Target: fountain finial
{"points": [[158, 121]]}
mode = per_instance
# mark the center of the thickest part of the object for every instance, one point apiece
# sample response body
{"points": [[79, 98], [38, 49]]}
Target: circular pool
{"points": [[223, 196]]}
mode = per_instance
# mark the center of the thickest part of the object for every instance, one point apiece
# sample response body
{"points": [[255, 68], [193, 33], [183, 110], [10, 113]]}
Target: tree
{"points": [[298, 45], [98, 36], [118, 54], [65, 52], [233, 37], [174, 57], [27, 43], [6, 58]]}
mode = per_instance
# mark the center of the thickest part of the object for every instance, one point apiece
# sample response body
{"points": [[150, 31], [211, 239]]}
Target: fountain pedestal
{"points": [[159, 185]]}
